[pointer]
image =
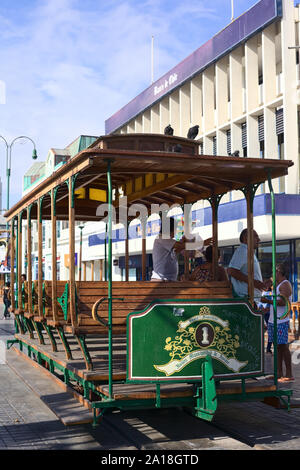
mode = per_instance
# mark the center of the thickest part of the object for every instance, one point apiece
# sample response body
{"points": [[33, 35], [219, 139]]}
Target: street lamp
{"points": [[8, 167], [8, 160]]}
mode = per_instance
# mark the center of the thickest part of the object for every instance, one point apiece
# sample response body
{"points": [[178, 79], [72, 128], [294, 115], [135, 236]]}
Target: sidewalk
{"points": [[26, 422]]}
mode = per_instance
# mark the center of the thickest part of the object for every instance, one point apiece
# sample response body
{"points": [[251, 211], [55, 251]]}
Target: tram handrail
{"points": [[95, 308], [288, 306]]}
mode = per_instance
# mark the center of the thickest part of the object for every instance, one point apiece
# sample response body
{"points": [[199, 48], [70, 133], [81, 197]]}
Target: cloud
{"points": [[68, 65]]}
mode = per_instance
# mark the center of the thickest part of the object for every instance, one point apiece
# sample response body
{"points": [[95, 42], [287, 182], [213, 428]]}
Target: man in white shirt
{"points": [[165, 252], [238, 268]]}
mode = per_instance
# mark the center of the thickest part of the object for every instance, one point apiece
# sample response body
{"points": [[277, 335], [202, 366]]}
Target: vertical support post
{"points": [[84, 270], [93, 269], [249, 192], [72, 250], [19, 255], [80, 254], [274, 277], [250, 260], [215, 202], [109, 273], [54, 253], [215, 256], [144, 258], [29, 266], [127, 252], [186, 209], [105, 254], [40, 256], [12, 263]]}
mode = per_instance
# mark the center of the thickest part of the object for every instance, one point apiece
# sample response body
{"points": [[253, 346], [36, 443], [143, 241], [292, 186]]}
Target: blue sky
{"points": [[68, 65]]}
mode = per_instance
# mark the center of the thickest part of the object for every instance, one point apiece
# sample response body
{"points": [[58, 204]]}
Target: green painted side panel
{"points": [[170, 340]]}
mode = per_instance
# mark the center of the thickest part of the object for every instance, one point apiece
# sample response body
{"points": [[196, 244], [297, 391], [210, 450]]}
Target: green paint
{"points": [[109, 272], [207, 398], [63, 301], [81, 339], [51, 336], [274, 277], [176, 336], [65, 342]]}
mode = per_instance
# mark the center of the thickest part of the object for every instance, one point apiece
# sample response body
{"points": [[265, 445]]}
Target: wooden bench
{"points": [[92, 301]]}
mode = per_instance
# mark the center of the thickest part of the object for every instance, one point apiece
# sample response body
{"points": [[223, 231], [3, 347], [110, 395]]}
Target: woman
{"points": [[284, 293], [6, 299], [204, 272]]}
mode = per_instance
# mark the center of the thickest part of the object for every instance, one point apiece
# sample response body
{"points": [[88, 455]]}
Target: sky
{"points": [[67, 65]]}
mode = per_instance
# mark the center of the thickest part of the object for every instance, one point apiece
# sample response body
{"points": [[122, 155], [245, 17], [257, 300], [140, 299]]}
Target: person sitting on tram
{"points": [[238, 268], [204, 272], [165, 252]]}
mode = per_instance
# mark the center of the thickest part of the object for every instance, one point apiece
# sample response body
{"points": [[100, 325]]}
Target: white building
{"points": [[242, 88]]}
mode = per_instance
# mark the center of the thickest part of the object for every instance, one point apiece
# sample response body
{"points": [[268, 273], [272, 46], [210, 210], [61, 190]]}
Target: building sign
{"points": [[255, 19], [67, 260]]}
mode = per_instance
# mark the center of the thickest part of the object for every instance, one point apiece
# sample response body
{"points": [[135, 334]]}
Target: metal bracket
{"points": [[63, 301]]}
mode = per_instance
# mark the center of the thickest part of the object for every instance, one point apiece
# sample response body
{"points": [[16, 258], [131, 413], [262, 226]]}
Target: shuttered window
{"points": [[279, 121], [261, 129], [244, 135], [215, 145], [228, 133]]}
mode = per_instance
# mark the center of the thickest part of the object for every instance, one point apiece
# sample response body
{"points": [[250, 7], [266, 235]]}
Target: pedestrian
{"points": [[6, 299], [265, 309], [284, 298], [238, 268], [165, 252], [204, 272]]}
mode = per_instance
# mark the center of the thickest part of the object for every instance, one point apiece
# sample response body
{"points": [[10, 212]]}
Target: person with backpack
{"points": [[6, 299]]}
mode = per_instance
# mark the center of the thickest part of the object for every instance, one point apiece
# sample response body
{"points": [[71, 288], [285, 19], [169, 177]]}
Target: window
{"points": [[265, 256], [244, 139], [297, 248], [215, 145], [228, 133]]}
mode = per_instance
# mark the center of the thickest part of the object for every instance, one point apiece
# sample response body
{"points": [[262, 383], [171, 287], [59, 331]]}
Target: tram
{"points": [[131, 345]]}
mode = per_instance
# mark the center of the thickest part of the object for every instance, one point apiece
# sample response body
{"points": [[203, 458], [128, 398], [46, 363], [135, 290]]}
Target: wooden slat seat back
{"points": [[136, 296]]}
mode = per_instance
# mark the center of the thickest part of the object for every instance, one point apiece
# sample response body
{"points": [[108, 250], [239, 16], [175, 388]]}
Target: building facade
{"points": [[242, 89]]}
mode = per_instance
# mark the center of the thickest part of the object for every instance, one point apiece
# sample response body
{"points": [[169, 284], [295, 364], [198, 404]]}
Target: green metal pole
{"points": [[17, 266], [274, 277], [105, 254], [109, 273]]}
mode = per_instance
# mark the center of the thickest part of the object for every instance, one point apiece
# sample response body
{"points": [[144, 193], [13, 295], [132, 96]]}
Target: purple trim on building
{"points": [[252, 21]]}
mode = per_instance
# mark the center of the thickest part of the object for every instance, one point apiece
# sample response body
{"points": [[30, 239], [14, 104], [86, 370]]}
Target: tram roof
{"points": [[148, 172]]}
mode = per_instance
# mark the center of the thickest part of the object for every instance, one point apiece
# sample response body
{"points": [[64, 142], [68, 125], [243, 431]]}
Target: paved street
{"points": [[27, 423]]}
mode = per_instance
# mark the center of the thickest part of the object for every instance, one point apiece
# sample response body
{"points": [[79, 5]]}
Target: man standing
{"points": [[238, 268], [165, 252]]}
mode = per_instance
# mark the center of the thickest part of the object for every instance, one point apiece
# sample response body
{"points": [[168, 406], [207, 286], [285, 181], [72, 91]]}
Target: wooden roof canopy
{"points": [[150, 168]]}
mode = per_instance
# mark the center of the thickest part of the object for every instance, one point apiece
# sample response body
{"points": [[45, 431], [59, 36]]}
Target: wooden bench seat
{"points": [[134, 296], [127, 297]]}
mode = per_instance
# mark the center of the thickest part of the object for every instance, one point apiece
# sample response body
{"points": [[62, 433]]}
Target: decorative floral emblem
{"points": [[212, 336]]}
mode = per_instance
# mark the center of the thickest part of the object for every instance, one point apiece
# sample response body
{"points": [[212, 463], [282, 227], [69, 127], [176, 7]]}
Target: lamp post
{"points": [[8, 169], [8, 160]]}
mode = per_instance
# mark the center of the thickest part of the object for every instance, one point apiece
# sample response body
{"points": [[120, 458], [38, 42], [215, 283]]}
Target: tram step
{"points": [[54, 393]]}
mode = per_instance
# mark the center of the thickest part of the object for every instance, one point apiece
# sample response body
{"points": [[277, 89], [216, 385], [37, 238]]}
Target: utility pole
{"points": [[152, 60]]}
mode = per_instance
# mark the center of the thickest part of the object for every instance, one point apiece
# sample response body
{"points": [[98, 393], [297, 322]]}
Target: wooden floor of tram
{"points": [[98, 349]]}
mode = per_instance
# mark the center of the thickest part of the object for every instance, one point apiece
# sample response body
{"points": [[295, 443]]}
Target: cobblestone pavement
{"points": [[27, 423]]}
